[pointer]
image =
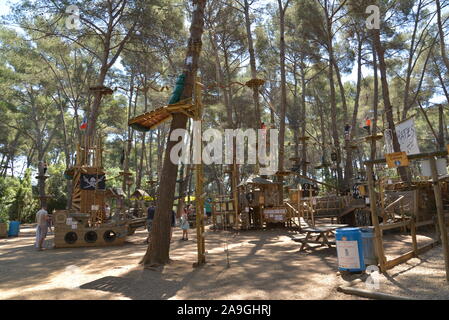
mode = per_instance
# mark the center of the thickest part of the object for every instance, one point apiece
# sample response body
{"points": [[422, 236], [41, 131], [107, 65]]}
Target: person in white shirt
{"points": [[107, 211], [42, 227]]}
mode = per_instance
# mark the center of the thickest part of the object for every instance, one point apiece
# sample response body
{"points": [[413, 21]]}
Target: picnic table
{"points": [[314, 234]]}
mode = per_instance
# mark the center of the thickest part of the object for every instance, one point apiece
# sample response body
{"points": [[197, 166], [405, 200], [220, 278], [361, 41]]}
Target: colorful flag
{"points": [[83, 125]]}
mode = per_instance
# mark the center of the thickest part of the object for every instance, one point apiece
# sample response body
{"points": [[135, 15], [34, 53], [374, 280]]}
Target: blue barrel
{"points": [[14, 228], [350, 250], [369, 251]]}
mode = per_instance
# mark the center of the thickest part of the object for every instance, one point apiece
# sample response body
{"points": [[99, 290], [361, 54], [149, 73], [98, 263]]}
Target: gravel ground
{"points": [[418, 278], [264, 264]]}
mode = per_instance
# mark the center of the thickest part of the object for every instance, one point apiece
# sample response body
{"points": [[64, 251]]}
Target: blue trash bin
{"points": [[14, 228], [369, 250], [350, 250]]}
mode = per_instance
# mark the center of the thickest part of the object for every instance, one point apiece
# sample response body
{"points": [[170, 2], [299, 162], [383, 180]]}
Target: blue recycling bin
{"points": [[369, 249], [350, 250], [14, 228]]}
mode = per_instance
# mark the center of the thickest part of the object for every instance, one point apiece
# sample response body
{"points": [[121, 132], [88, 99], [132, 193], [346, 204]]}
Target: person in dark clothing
{"points": [[172, 222], [347, 132], [150, 217]]}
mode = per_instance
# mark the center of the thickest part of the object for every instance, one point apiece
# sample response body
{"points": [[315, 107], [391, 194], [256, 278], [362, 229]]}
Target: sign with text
{"points": [[406, 133], [397, 159]]}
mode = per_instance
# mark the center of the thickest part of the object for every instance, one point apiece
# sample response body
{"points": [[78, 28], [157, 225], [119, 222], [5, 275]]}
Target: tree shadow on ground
{"points": [[143, 284]]}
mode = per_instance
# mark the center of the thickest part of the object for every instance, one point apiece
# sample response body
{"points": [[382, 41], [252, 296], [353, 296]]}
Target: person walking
{"points": [[185, 224], [42, 227], [172, 223], [208, 208]]}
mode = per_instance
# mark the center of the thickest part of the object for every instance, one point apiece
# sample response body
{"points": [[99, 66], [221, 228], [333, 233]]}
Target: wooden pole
{"points": [[413, 233], [375, 218], [382, 200], [299, 207], [370, 294], [311, 207], [199, 198], [440, 213]]}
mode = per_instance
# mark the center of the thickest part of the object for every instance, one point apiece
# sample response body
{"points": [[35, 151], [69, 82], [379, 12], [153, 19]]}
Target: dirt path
{"points": [[263, 265]]}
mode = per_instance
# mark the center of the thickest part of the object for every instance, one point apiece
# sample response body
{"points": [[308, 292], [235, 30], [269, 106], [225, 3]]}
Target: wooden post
{"points": [[382, 200], [401, 204], [440, 213], [299, 208], [415, 204], [375, 218], [413, 233], [311, 207], [199, 197]]}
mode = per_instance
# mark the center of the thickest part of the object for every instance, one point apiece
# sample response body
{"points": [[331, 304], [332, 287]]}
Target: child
{"points": [[185, 224]]}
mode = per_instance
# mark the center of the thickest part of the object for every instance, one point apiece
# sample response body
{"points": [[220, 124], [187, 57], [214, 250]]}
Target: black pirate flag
{"points": [[93, 182]]}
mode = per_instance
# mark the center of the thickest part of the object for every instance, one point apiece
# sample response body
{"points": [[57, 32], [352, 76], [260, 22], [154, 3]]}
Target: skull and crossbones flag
{"points": [[93, 182]]}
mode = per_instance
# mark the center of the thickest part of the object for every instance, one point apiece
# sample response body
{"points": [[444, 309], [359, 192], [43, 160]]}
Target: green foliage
{"points": [[16, 198]]}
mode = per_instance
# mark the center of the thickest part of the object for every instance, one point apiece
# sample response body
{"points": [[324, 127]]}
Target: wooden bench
{"points": [[321, 232]]}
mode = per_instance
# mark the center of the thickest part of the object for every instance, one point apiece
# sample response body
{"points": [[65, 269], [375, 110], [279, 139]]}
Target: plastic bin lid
{"points": [[348, 230]]}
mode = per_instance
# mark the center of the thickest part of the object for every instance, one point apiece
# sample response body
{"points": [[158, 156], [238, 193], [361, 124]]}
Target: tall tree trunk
{"points": [[349, 172], [406, 102], [67, 155], [441, 33], [95, 108], [375, 100], [386, 98], [222, 79], [158, 251], [141, 170], [334, 127], [128, 144], [441, 140], [252, 63], [283, 104], [303, 118]]}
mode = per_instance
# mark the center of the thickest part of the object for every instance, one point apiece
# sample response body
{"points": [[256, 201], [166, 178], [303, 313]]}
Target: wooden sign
{"points": [[397, 159]]}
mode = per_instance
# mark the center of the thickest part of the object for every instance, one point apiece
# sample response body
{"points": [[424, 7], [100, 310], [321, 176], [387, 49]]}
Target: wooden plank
{"points": [[411, 157], [427, 247], [401, 259], [394, 202], [424, 223], [394, 225], [370, 294], [409, 255]]}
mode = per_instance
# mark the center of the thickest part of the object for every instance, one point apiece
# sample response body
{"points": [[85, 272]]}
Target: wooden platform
{"points": [[154, 118]]}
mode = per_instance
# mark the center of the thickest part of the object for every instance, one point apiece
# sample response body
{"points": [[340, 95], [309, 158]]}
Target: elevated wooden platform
{"points": [[154, 118]]}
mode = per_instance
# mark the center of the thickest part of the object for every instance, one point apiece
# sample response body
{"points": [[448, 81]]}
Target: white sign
{"points": [[348, 254], [441, 167], [407, 137], [68, 221]]}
